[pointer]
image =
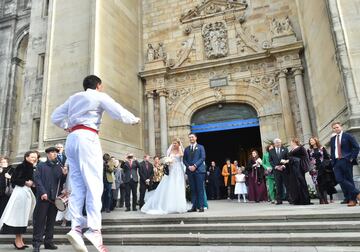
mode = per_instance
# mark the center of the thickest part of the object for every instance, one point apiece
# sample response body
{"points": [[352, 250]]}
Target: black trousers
{"points": [[281, 180], [143, 188], [43, 222], [131, 187]]}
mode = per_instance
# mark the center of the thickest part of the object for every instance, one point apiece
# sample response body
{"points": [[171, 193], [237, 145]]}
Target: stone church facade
{"points": [[291, 65]]}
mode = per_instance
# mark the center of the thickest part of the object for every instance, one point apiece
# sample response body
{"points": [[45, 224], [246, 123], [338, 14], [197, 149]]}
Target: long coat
{"points": [[226, 174]]}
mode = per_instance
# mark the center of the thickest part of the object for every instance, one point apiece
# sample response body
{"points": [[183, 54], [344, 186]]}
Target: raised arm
{"points": [[116, 111]]}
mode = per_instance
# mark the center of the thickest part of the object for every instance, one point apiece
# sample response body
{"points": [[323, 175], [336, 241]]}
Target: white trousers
{"points": [[84, 156]]}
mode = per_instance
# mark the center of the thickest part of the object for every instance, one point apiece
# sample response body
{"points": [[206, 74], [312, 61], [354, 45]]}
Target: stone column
{"points": [[163, 121], [286, 108], [151, 122], [304, 112]]}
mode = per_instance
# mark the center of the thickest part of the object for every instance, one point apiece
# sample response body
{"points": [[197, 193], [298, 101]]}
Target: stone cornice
{"points": [[290, 48]]}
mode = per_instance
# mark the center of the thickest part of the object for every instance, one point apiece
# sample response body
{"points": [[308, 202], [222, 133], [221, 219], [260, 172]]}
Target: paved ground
{"points": [[4, 248], [233, 208]]}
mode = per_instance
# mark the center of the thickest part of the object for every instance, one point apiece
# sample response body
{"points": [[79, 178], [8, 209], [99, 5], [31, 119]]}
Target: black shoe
{"points": [[36, 249], [19, 248], [127, 209], [192, 210], [201, 209], [345, 201], [50, 246], [134, 209], [278, 203]]}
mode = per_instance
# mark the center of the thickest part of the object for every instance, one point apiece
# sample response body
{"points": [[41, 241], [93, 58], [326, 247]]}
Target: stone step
{"points": [[221, 228], [232, 239], [176, 219]]}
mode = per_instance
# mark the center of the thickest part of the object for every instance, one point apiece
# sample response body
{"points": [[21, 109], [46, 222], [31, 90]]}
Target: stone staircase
{"points": [[265, 230]]}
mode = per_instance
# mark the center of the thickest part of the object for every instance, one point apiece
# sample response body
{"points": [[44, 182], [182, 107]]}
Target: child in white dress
{"points": [[240, 186]]}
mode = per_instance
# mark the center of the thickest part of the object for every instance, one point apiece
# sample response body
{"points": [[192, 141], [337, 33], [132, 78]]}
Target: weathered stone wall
{"points": [[326, 88]]}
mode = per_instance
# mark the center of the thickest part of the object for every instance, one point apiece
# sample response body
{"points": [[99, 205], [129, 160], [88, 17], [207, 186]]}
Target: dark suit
{"points": [[146, 171], [130, 180], [62, 158], [196, 178], [213, 178], [49, 180], [343, 165], [281, 178]]}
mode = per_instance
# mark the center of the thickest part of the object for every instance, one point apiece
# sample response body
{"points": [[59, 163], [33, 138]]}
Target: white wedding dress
{"points": [[169, 196]]}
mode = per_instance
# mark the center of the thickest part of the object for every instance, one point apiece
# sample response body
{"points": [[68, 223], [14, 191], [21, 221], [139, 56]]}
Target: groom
{"points": [[194, 160]]}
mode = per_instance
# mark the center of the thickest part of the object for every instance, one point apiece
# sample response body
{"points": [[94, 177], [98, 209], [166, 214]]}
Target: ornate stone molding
{"points": [[176, 94], [219, 95], [266, 82], [245, 40], [149, 94], [183, 53], [282, 73], [215, 40], [210, 8]]}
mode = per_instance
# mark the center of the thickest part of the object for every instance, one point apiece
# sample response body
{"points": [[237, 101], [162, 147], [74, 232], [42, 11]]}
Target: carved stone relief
{"points": [[246, 42], [215, 40], [266, 82], [183, 53], [219, 95], [156, 53], [10, 8], [175, 94], [209, 8], [281, 27]]}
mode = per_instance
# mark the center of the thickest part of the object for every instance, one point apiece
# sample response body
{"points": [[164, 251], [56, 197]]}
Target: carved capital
{"points": [[297, 70], [162, 92], [282, 73], [149, 94]]}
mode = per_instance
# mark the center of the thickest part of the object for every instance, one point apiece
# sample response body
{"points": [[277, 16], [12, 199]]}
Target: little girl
{"points": [[240, 187]]}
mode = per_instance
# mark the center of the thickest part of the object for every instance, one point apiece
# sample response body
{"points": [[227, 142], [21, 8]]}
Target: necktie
{"points": [[192, 148], [278, 152], [130, 162], [338, 146]]}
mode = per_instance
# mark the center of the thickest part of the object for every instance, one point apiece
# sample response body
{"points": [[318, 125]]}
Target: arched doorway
{"points": [[227, 131]]}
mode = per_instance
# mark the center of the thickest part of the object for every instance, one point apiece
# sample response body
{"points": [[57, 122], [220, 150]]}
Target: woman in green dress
{"points": [[270, 181]]}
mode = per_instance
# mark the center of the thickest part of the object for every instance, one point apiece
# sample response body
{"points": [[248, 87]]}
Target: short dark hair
{"points": [[91, 82], [336, 123], [191, 133], [28, 153]]}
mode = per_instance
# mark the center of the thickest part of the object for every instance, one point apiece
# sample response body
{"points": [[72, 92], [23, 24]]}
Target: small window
{"points": [[41, 65], [35, 131], [45, 8]]}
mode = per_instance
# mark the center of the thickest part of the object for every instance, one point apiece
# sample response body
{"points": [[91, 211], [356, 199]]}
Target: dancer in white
{"points": [[81, 116], [169, 196]]}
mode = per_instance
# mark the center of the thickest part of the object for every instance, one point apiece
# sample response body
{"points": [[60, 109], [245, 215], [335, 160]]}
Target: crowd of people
{"points": [[70, 183]]}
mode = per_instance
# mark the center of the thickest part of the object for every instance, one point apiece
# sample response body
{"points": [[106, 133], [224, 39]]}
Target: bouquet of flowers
{"points": [[166, 161]]}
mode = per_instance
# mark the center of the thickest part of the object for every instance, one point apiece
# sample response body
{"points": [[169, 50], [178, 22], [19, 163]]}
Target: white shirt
{"points": [[86, 108], [336, 151]]}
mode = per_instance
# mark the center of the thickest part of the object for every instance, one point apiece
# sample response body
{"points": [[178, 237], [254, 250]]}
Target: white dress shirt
{"points": [[86, 108], [336, 136]]}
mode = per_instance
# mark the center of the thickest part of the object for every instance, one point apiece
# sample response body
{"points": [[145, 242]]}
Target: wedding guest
{"points": [[118, 181], [322, 175], [229, 172], [344, 152], [61, 155], [236, 164], [277, 156], [256, 178], [108, 169], [240, 187], [22, 201], [64, 217], [6, 188], [49, 179], [299, 164], [130, 167], [269, 175], [158, 172], [146, 173], [213, 180]]}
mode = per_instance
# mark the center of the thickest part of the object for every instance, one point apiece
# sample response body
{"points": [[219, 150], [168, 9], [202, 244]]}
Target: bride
{"points": [[169, 196]]}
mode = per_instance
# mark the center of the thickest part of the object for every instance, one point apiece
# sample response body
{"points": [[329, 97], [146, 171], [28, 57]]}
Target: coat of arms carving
{"points": [[215, 40]]}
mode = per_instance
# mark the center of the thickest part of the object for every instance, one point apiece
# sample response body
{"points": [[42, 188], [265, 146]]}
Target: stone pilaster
{"points": [[286, 108], [151, 122], [163, 121], [303, 106]]}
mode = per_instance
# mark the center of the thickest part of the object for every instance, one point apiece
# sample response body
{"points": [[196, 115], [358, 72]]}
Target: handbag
{"points": [[8, 190]]}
